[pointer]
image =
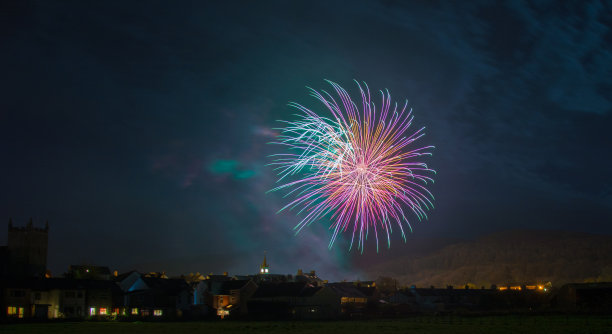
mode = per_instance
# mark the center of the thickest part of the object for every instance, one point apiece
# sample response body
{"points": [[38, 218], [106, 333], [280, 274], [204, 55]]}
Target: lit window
{"points": [[157, 313], [145, 313], [102, 310], [92, 311], [134, 311], [11, 310], [21, 309]]}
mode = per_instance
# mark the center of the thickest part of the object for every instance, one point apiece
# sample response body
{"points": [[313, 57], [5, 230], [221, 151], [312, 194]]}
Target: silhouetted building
{"points": [[230, 297], [352, 300], [584, 297], [26, 252], [157, 297], [4, 261], [310, 278], [294, 300], [61, 298]]}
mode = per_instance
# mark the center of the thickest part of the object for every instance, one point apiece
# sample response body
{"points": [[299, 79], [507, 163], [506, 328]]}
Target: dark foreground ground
{"points": [[446, 325]]}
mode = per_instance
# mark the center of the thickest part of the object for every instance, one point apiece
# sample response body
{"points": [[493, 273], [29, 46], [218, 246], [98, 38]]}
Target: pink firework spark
{"points": [[358, 166]]}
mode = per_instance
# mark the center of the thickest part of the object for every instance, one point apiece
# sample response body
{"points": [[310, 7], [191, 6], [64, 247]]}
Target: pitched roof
{"points": [[170, 285], [309, 291], [285, 289], [225, 287], [346, 290], [370, 292], [234, 284], [123, 276]]}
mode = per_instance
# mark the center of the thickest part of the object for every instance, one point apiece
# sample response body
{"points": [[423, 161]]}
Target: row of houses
{"points": [[152, 295], [27, 291], [135, 295]]}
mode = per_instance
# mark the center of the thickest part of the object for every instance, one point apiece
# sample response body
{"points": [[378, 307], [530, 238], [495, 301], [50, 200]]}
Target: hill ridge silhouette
{"points": [[507, 257]]}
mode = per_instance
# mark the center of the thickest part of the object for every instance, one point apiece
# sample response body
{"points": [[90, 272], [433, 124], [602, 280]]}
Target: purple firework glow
{"points": [[358, 166]]}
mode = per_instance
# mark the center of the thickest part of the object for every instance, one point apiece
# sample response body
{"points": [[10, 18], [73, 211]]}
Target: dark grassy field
{"points": [[446, 325]]}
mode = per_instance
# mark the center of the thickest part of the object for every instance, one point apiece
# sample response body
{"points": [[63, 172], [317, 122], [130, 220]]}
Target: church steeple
{"points": [[264, 268]]}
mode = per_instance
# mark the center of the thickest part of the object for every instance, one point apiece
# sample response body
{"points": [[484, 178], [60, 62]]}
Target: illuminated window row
{"points": [[15, 311], [102, 311], [352, 300], [157, 313]]}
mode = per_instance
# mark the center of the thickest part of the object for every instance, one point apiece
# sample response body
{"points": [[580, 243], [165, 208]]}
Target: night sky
{"points": [[140, 129]]}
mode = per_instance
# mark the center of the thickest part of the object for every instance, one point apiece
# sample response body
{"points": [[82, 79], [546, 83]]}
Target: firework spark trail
{"points": [[357, 166]]}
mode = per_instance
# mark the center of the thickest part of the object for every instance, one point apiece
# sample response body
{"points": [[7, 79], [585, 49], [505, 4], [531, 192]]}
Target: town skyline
{"points": [[29, 292], [140, 131], [493, 260]]}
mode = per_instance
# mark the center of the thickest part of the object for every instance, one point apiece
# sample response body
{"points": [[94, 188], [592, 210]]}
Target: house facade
{"points": [[294, 300]]}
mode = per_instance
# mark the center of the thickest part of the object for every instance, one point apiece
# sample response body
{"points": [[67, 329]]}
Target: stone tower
{"points": [[27, 250]]}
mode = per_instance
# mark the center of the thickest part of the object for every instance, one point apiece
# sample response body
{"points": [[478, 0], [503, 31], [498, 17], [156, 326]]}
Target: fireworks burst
{"points": [[358, 166]]}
